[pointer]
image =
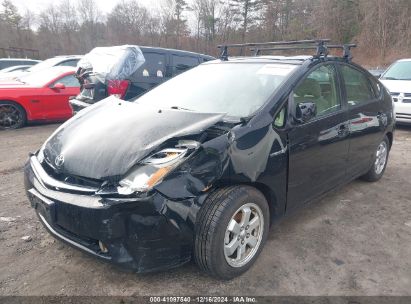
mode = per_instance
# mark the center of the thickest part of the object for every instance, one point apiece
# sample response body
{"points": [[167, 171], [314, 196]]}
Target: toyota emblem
{"points": [[59, 161]]}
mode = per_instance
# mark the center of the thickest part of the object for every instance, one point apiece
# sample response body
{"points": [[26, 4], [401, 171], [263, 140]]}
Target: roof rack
{"points": [[320, 45]]}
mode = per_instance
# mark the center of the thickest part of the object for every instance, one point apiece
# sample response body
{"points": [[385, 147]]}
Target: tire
{"points": [[213, 239], [378, 167], [12, 115]]}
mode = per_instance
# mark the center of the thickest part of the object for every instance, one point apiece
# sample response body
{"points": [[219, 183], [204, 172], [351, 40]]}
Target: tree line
{"points": [[381, 28]]}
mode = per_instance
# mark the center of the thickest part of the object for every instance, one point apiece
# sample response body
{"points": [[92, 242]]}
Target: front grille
{"points": [[407, 97], [70, 179], [403, 115]]}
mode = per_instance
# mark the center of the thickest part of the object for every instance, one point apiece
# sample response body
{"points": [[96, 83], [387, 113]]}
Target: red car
{"points": [[38, 96]]}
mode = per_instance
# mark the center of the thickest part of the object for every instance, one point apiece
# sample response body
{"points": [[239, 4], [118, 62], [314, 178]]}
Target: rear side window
{"points": [[154, 66], [184, 63], [71, 63], [357, 86], [69, 81]]}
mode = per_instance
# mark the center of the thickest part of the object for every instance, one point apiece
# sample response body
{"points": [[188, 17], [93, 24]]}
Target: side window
{"points": [[69, 81], [319, 87], [183, 63], [154, 66], [377, 87], [357, 86], [279, 121], [71, 63]]}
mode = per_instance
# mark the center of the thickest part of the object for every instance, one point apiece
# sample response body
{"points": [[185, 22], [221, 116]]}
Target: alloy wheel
{"points": [[10, 116], [381, 157], [243, 235]]}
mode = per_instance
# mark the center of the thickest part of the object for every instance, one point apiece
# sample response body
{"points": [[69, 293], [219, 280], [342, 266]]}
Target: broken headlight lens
{"points": [[152, 170]]}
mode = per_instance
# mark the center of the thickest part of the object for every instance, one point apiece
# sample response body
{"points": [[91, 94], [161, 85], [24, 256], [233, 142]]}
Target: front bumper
{"points": [[402, 112], [140, 234]]}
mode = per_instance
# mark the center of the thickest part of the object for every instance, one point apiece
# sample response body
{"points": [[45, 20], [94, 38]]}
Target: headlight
{"points": [[152, 170]]}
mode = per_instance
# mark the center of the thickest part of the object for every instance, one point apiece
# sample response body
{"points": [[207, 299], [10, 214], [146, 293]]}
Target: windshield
{"points": [[401, 70], [40, 78], [237, 89], [44, 64]]}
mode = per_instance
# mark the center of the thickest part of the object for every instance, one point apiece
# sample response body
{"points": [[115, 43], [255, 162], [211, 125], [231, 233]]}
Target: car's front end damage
{"points": [[133, 205]]}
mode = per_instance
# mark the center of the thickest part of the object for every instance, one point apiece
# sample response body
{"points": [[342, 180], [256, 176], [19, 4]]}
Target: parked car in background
{"points": [[9, 62], [14, 69], [55, 61], [38, 96], [397, 79], [153, 66], [200, 166], [376, 72]]}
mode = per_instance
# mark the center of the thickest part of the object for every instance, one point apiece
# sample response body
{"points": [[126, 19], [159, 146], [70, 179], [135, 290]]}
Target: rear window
{"points": [[184, 63], [154, 66]]}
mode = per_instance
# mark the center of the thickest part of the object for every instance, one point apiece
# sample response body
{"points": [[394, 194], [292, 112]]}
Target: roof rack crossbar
{"points": [[319, 44], [224, 54]]}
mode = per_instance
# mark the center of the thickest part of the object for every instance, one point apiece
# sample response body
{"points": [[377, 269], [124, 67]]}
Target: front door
{"points": [[55, 102], [318, 148]]}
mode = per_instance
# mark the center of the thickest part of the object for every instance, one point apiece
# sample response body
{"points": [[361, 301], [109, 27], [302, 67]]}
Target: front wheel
{"points": [[380, 162], [232, 228]]}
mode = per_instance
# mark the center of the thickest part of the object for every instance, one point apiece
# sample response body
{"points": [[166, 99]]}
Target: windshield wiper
{"points": [[180, 108], [390, 78]]}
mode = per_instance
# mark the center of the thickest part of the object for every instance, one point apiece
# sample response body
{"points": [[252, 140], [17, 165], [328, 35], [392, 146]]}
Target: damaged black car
{"points": [[199, 167]]}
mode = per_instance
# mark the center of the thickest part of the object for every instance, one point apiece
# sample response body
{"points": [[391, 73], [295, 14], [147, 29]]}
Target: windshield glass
{"points": [[401, 70], [44, 64], [237, 89], [40, 78]]}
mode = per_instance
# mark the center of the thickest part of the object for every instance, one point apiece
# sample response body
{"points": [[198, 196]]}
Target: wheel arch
{"points": [[268, 193], [390, 137], [26, 112]]}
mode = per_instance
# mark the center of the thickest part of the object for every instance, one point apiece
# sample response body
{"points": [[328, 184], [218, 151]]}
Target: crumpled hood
{"points": [[397, 86], [108, 138]]}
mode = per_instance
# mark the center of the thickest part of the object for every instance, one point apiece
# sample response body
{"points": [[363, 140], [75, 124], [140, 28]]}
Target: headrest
{"points": [[309, 87]]}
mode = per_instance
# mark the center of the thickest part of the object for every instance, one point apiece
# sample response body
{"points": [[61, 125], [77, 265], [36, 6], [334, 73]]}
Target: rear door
{"points": [[318, 149], [367, 120]]}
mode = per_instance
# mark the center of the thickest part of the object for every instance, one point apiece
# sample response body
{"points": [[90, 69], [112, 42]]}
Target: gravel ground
{"points": [[354, 241]]}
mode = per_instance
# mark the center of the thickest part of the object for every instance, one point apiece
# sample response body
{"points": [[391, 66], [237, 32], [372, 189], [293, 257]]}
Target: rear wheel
{"points": [[232, 228], [12, 115], [380, 162]]}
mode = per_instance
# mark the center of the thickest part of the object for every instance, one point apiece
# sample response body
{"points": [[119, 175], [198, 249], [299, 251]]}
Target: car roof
{"points": [[18, 59], [57, 70], [404, 59], [68, 56], [174, 51]]}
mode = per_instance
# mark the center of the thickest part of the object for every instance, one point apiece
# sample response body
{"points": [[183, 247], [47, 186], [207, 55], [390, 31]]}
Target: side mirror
{"points": [[305, 111], [59, 86]]}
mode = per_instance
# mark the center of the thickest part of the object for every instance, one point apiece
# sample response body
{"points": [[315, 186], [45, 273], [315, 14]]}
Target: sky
{"points": [[104, 5]]}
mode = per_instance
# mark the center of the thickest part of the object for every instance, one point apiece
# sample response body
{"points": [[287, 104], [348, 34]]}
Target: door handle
{"points": [[342, 130]]}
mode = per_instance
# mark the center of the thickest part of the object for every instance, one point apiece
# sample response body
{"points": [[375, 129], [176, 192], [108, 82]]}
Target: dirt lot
{"points": [[356, 241]]}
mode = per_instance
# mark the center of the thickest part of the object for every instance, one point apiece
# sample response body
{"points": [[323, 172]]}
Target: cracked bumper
{"points": [[141, 235]]}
